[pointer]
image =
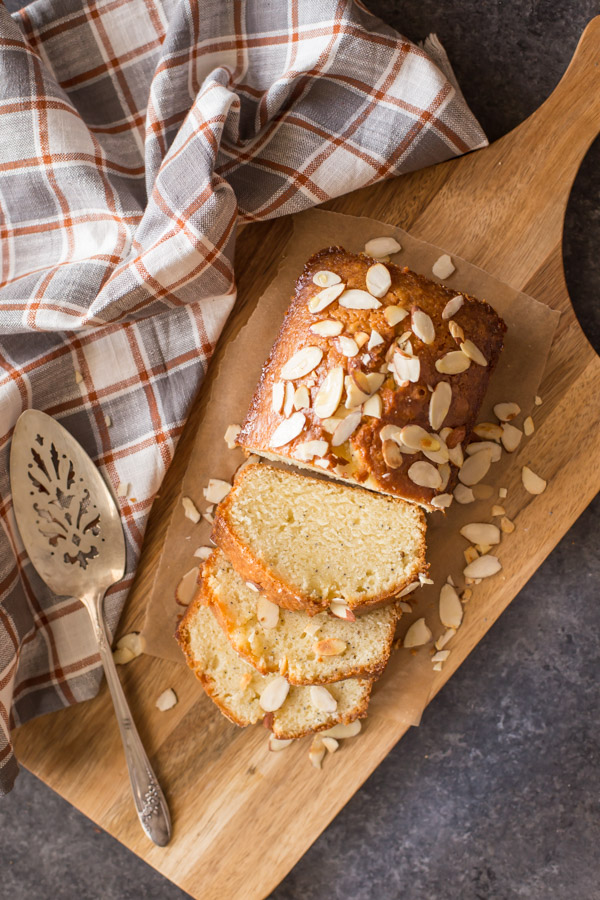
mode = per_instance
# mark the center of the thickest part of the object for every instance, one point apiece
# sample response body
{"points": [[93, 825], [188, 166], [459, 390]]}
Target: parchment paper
{"points": [[404, 690]]}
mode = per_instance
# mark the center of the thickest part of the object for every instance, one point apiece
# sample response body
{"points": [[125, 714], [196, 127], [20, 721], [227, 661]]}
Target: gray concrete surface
{"points": [[495, 796]]}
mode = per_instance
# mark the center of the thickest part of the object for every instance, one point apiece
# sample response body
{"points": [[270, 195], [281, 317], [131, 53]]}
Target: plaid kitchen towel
{"points": [[134, 134]]}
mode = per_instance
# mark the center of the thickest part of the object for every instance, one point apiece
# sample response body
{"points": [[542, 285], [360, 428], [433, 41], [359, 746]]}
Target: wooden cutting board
{"points": [[240, 820]]}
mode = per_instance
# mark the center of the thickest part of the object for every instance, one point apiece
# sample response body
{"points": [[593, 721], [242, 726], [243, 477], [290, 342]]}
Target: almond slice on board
{"points": [[482, 567], [481, 533], [532, 483], [443, 267], [382, 246], [450, 608], [417, 634]]}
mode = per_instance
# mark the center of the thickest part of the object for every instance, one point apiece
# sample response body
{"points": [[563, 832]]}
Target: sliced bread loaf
{"points": [[306, 542], [238, 689], [306, 650]]}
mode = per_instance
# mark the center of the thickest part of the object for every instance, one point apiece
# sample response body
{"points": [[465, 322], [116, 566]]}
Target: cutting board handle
{"points": [[570, 117]]}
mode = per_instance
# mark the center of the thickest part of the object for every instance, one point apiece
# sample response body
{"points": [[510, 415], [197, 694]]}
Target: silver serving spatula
{"points": [[71, 529]]}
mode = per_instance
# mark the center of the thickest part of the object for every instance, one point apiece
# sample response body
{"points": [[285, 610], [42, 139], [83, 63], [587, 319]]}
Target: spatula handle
{"points": [[149, 799]]}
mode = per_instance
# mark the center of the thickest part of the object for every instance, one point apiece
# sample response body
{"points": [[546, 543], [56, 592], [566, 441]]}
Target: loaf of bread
{"points": [[317, 650], [309, 543], [245, 696], [376, 377]]}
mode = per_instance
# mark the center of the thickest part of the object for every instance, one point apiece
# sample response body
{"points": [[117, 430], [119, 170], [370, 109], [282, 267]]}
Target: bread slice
{"points": [[296, 646], [236, 687], [306, 542]]}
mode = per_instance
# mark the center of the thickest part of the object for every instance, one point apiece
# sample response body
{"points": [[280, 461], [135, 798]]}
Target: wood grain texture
{"points": [[240, 827]]}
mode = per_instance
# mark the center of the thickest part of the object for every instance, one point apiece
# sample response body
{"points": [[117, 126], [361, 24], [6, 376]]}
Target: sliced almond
{"points": [[354, 396], [382, 246], [330, 647], [437, 667], [317, 752], [481, 533], [475, 468], [453, 363], [482, 567], [392, 433], [482, 549], [133, 643], [452, 306], [288, 403], [325, 298], [346, 429], [121, 656], [463, 494], [511, 437], [373, 406], [497, 511], [322, 699], [378, 280], [444, 638], [442, 501], [417, 634], [216, 490], [309, 449], [489, 431], [466, 595], [324, 278], [528, 426], [503, 493], [491, 446], [422, 326], [470, 554], [357, 299], [456, 455], [439, 404], [532, 483], [375, 340], [538, 400], [330, 744], [185, 590], [327, 328], [203, 552], [409, 588], [450, 607], [341, 731], [456, 332], [445, 473], [425, 475], [301, 363], [301, 397], [267, 612], [276, 744], [405, 367], [190, 510], [391, 454], [440, 657], [288, 430], [404, 606], [274, 695], [443, 267], [330, 393], [252, 587], [413, 436], [231, 434], [341, 610], [361, 338], [394, 314], [474, 353], [506, 525], [347, 346], [166, 700], [506, 411]]}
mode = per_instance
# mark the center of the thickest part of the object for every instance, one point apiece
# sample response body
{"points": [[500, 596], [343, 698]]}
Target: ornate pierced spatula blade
{"points": [[66, 515]]}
